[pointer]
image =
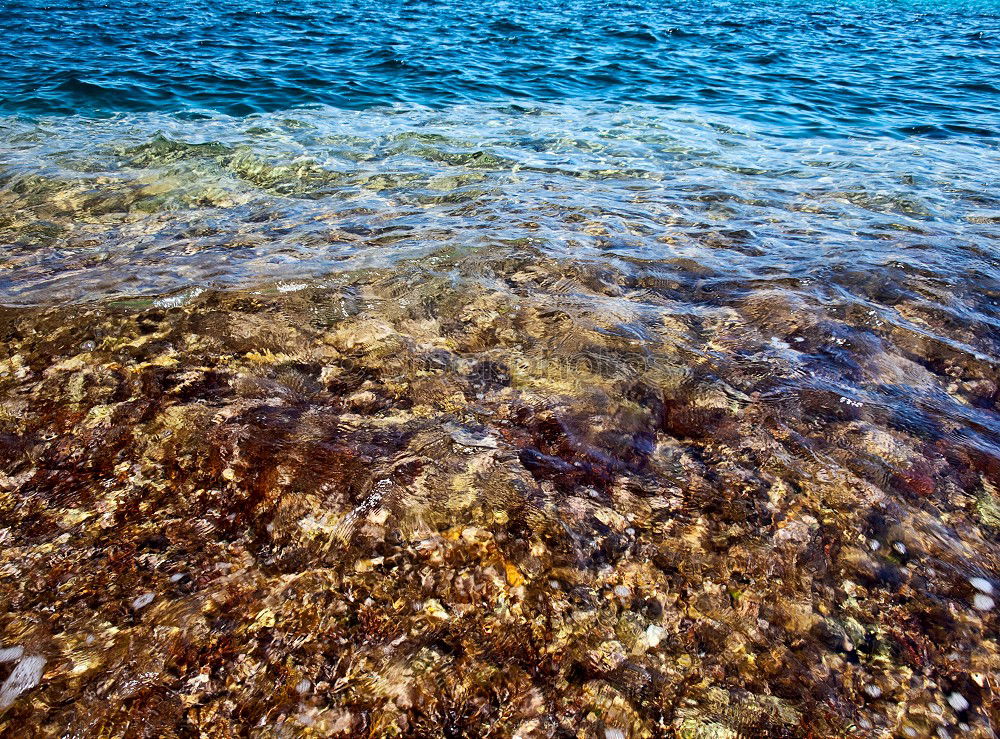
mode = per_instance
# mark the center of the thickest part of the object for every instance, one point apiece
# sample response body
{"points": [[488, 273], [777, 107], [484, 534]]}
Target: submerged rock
{"points": [[400, 521]]}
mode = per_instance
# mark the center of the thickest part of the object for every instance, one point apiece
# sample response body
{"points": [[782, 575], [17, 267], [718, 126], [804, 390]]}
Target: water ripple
{"points": [[817, 72]]}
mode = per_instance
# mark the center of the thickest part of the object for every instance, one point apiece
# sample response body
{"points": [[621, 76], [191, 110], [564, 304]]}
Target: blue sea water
{"points": [[804, 68]]}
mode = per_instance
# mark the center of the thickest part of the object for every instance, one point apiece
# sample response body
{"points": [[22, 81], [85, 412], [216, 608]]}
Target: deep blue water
{"points": [[853, 67]]}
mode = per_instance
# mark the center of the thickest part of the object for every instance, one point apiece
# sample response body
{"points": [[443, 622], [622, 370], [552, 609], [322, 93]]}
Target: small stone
{"points": [[143, 600], [899, 547], [24, 676], [434, 608], [873, 691], [623, 591], [9, 654], [983, 602], [654, 635], [468, 438], [981, 584], [303, 686], [514, 576], [614, 732], [958, 702], [362, 400]]}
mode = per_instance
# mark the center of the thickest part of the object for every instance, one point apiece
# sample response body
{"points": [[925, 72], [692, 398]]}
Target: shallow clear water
{"points": [[425, 369], [144, 203]]}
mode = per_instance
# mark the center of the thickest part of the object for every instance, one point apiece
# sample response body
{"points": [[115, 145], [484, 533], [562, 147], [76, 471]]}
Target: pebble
{"points": [[143, 600], [24, 676], [654, 635], [434, 608], [466, 438], [873, 691], [981, 584], [983, 602], [9, 654], [958, 702]]}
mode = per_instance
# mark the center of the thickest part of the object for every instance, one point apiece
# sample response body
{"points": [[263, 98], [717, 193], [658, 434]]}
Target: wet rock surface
{"points": [[496, 495]]}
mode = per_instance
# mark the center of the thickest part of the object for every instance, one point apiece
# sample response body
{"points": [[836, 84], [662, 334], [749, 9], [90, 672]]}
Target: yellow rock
{"points": [[514, 576]]}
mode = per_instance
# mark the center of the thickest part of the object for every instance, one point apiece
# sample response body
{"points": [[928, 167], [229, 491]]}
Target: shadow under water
{"points": [[637, 470]]}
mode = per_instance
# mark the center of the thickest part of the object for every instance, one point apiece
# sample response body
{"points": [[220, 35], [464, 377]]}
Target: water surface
{"points": [[853, 67], [425, 369]]}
